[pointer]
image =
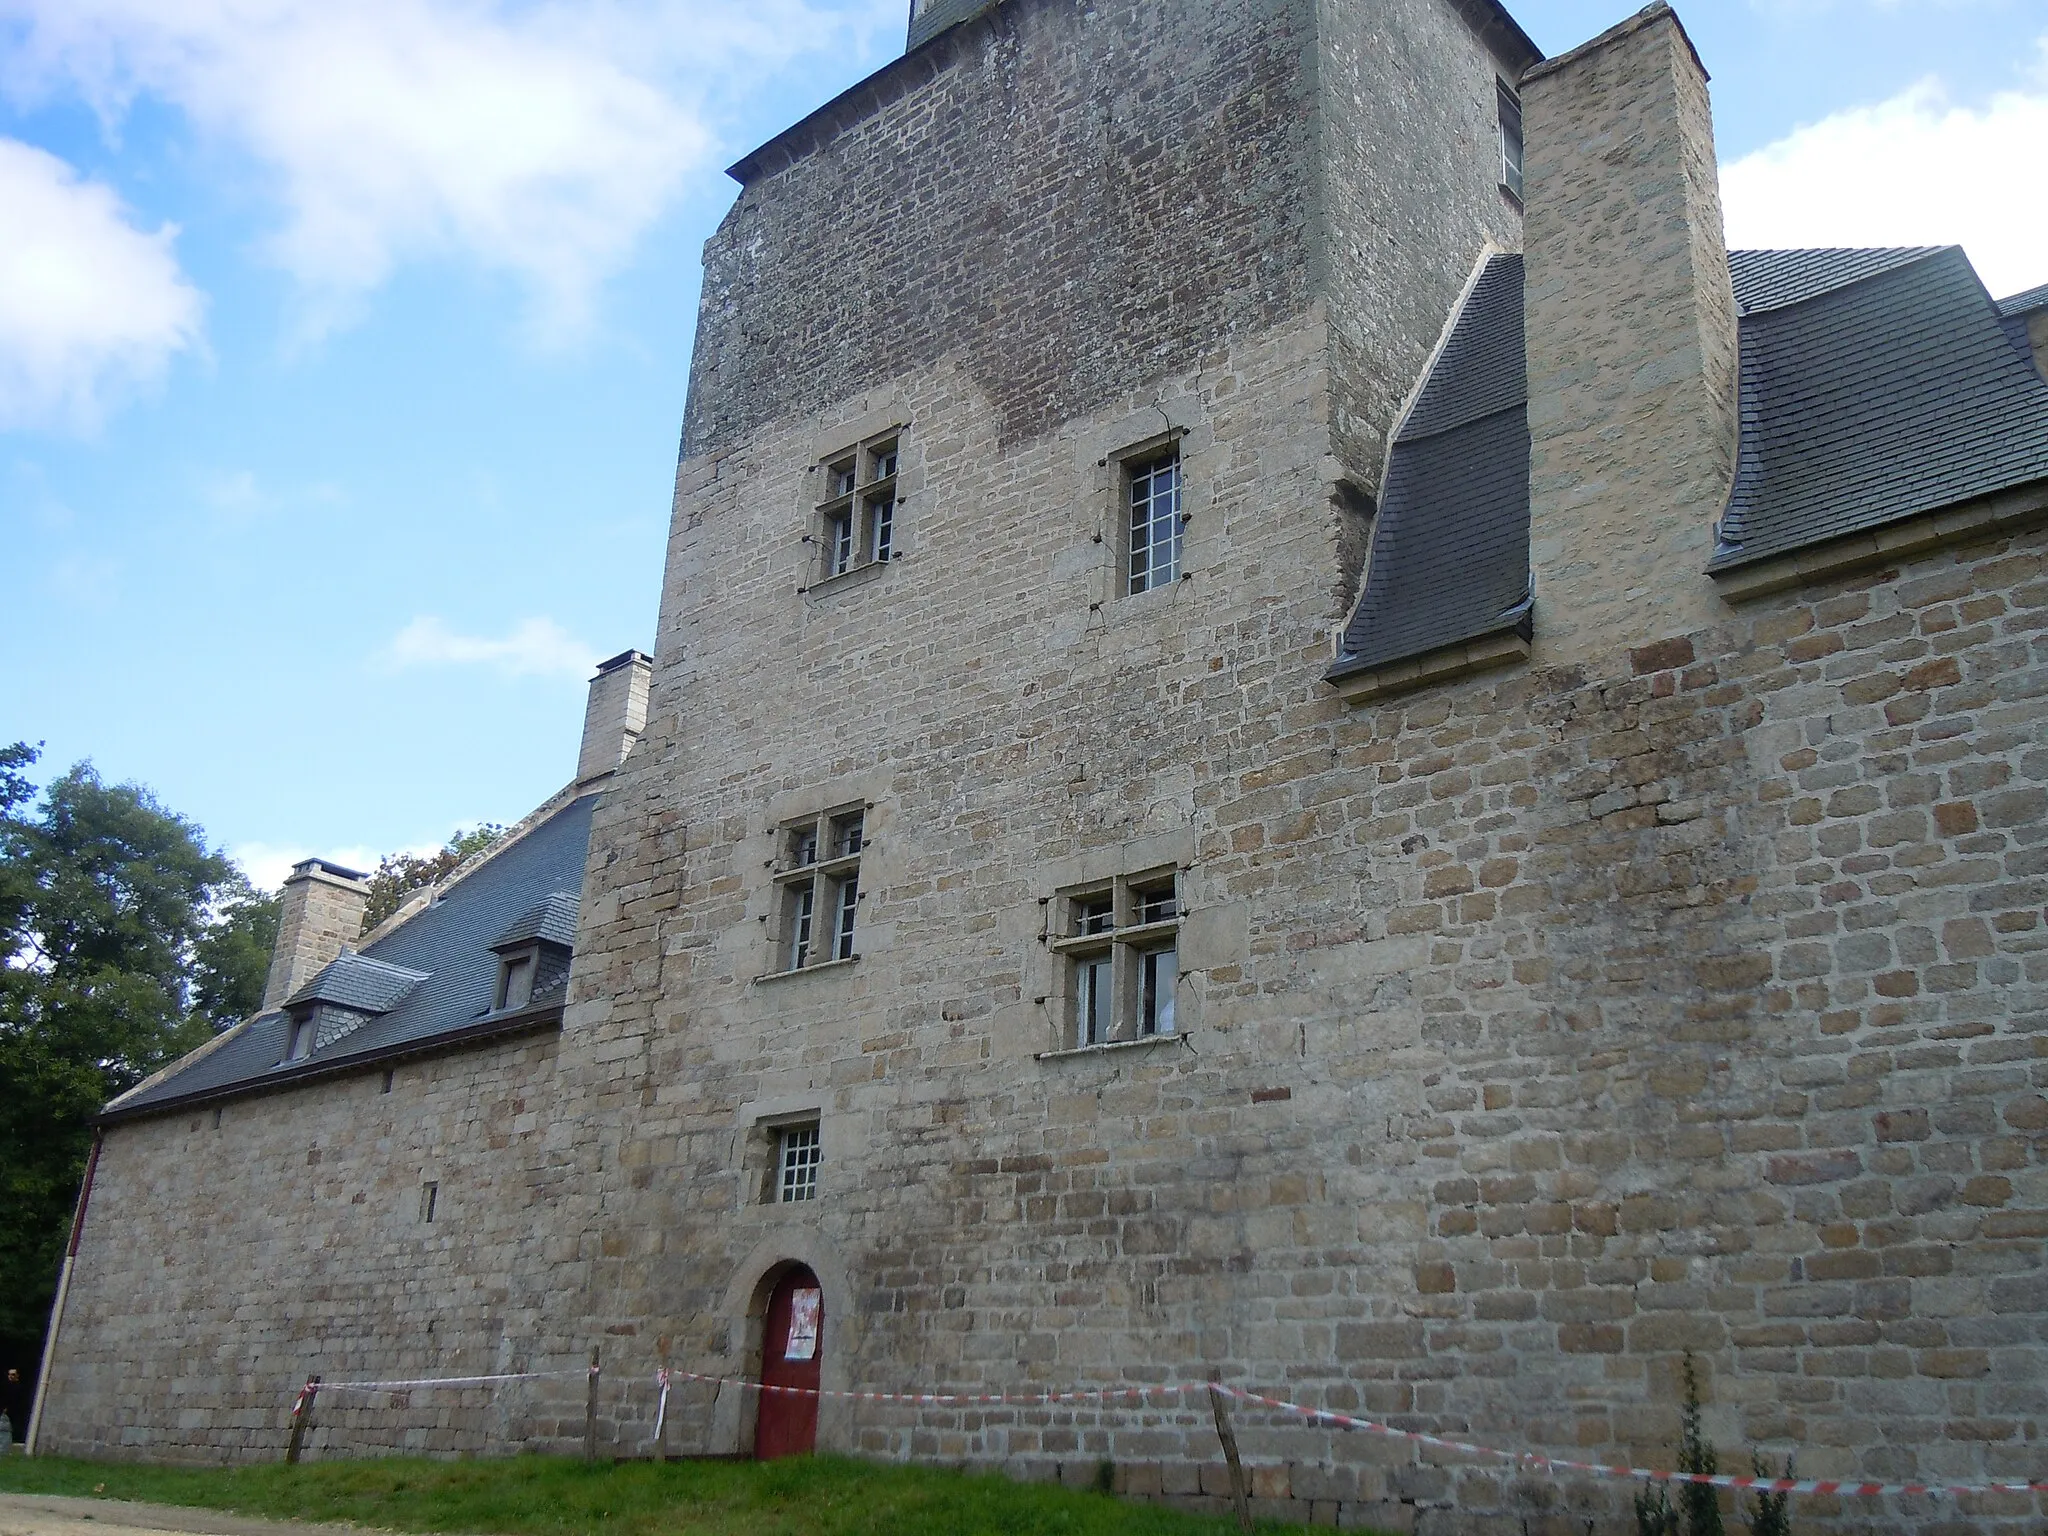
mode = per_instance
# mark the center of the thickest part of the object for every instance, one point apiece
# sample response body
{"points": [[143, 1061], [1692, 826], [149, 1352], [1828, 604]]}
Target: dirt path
{"points": [[37, 1514]]}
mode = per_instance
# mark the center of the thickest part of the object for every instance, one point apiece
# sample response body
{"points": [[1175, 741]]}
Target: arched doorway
{"points": [[792, 1339]]}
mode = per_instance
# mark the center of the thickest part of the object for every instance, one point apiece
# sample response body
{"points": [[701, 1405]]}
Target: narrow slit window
{"points": [[1155, 523], [430, 1198]]}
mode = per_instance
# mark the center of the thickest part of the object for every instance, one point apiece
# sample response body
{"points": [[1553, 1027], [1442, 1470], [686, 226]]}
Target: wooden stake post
{"points": [[590, 1412], [302, 1416], [1220, 1405]]}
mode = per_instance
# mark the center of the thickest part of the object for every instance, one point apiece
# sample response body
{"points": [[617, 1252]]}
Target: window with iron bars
{"points": [[798, 1151], [1153, 499]]}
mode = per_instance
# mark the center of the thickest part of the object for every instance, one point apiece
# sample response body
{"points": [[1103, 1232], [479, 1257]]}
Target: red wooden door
{"points": [[790, 1347]]}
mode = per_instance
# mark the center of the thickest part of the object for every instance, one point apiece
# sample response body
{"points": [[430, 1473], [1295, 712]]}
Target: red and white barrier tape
{"points": [[1530, 1460]]}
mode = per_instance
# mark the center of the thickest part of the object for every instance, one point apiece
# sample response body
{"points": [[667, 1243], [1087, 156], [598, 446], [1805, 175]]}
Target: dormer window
{"points": [[305, 1027], [515, 981], [533, 955]]}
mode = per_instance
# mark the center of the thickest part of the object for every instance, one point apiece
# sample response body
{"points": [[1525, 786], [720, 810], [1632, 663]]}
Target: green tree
{"points": [[104, 899], [398, 875], [231, 959]]}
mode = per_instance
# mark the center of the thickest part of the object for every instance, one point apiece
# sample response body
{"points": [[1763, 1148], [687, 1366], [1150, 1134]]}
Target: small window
{"points": [[305, 1029], [430, 1196], [797, 1150], [857, 520], [390, 1075], [1509, 106], [1154, 522], [820, 888], [1121, 952]]}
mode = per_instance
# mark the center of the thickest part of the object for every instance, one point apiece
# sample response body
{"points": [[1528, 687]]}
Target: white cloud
{"points": [[91, 307], [1914, 170], [537, 141], [533, 648], [266, 864]]}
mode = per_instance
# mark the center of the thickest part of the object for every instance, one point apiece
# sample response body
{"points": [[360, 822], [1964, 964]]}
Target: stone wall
{"points": [[1070, 202], [223, 1262]]}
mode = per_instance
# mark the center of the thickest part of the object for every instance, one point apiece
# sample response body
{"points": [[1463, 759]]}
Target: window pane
{"points": [[847, 837], [839, 550], [842, 936], [1095, 998], [885, 461], [881, 527], [1155, 524], [797, 1163], [1156, 904], [1158, 970], [803, 846], [1094, 914], [841, 475], [799, 926]]}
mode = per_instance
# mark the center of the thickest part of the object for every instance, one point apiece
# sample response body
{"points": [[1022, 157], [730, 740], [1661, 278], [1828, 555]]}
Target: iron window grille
{"points": [[857, 519], [818, 876], [798, 1149], [1155, 521], [1119, 945]]}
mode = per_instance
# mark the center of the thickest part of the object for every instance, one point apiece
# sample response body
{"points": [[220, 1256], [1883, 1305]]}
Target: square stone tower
{"points": [[935, 939]]}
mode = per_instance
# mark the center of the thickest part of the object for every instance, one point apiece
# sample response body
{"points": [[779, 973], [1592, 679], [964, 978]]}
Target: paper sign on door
{"points": [[803, 1324]]}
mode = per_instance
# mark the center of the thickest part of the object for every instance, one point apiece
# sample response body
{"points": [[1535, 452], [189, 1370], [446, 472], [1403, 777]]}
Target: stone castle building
{"points": [[1296, 734]]}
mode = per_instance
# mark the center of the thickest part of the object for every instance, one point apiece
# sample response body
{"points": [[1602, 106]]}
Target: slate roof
{"points": [[357, 981], [2025, 303], [1450, 548], [552, 919], [447, 945], [1889, 395], [1875, 385]]}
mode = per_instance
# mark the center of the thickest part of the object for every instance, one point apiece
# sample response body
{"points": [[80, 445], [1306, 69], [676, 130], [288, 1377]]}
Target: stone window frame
{"points": [[816, 873], [1112, 930], [1507, 106], [768, 1129], [856, 516]]}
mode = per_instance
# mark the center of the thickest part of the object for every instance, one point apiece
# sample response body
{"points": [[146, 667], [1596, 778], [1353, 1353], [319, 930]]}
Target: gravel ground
{"points": [[36, 1514]]}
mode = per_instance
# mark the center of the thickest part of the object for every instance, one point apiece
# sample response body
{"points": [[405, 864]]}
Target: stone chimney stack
{"points": [[1631, 340], [323, 915], [616, 714]]}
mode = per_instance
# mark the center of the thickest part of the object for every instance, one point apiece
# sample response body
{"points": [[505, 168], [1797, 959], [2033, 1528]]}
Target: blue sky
{"points": [[343, 347]]}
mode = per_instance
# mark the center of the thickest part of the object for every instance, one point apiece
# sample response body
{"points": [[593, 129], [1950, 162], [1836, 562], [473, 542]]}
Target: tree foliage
{"points": [[231, 959], [398, 875], [108, 902]]}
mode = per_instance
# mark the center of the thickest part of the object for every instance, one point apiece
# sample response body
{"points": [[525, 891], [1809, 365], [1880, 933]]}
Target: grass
{"points": [[549, 1496]]}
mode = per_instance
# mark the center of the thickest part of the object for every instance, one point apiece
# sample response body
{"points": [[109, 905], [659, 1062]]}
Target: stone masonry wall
{"points": [[221, 1264], [1537, 1029], [1101, 196]]}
